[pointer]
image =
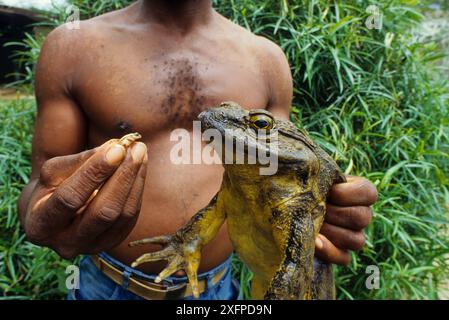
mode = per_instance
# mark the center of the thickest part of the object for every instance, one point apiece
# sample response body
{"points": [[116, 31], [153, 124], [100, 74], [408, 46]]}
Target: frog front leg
{"points": [[294, 233], [183, 249]]}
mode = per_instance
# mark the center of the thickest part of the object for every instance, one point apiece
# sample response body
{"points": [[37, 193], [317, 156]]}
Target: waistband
{"points": [[172, 280]]}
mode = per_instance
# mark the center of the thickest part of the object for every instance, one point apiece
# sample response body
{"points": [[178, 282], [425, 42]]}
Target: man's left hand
{"points": [[348, 213]]}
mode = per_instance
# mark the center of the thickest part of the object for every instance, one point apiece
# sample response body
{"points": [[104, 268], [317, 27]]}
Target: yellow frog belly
{"points": [[252, 237]]}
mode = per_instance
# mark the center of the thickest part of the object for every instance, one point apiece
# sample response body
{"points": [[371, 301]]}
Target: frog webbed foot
{"points": [[180, 254]]}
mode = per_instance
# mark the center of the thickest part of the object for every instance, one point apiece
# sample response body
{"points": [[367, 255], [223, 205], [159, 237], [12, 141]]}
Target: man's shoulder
{"points": [[269, 53], [75, 34], [66, 47], [260, 46]]}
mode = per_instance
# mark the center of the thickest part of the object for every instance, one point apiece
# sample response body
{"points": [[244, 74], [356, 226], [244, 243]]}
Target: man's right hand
{"points": [[65, 186]]}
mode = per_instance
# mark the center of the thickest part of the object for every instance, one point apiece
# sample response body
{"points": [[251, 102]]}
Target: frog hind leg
{"points": [[258, 288], [323, 284], [183, 249], [293, 230]]}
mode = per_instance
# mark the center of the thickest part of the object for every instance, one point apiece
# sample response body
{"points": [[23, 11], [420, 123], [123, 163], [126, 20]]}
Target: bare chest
{"points": [[123, 90]]}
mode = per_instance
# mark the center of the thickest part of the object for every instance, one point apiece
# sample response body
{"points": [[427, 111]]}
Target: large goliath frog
{"points": [[272, 219]]}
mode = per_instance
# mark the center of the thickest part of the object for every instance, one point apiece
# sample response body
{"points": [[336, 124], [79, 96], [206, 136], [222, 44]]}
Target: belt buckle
{"points": [[164, 291], [167, 287]]}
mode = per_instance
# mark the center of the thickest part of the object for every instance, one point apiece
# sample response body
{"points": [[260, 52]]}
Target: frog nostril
{"points": [[202, 115]]}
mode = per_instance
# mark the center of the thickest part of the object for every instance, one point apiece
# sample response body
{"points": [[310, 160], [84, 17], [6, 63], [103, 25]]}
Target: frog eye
{"points": [[261, 122]]}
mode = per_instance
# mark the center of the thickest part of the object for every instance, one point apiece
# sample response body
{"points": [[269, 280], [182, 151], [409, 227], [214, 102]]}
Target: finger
{"points": [[357, 191], [60, 208], [125, 142], [130, 213], [343, 238], [108, 205], [173, 266], [134, 200], [56, 170], [161, 240], [153, 256], [355, 218], [327, 252]]}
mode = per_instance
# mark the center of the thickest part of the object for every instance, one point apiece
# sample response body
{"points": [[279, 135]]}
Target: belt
{"points": [[150, 290]]}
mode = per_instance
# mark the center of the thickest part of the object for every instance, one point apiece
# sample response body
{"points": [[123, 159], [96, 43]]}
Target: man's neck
{"points": [[182, 14]]}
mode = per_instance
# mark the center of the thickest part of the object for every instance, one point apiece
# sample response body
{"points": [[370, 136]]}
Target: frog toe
{"points": [[192, 274], [175, 265], [153, 256], [161, 240]]}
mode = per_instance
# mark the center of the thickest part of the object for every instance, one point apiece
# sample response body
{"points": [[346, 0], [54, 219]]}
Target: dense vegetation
{"points": [[373, 98]]}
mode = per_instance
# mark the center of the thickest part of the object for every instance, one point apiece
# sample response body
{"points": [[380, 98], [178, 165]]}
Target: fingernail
{"points": [[158, 279], [138, 151], [319, 243], [115, 154]]}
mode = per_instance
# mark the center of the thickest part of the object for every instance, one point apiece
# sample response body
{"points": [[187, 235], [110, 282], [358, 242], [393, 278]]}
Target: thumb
{"points": [[328, 252], [54, 171]]}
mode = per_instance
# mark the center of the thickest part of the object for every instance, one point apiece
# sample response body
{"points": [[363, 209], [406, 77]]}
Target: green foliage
{"points": [[26, 271], [372, 98], [26, 54], [443, 4]]}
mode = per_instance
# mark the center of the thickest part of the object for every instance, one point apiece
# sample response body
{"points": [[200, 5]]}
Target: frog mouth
{"points": [[242, 148], [207, 122]]}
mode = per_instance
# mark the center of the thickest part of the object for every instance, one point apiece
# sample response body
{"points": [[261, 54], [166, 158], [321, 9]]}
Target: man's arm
{"points": [[63, 178], [60, 127], [348, 207]]}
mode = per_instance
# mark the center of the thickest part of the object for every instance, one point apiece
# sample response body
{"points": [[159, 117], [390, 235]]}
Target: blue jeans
{"points": [[95, 285]]}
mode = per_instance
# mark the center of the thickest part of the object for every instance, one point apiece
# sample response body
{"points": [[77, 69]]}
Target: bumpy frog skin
{"points": [[272, 220]]}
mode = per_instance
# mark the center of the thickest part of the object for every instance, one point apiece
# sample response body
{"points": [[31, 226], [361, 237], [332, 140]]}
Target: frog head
{"points": [[249, 130]]}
